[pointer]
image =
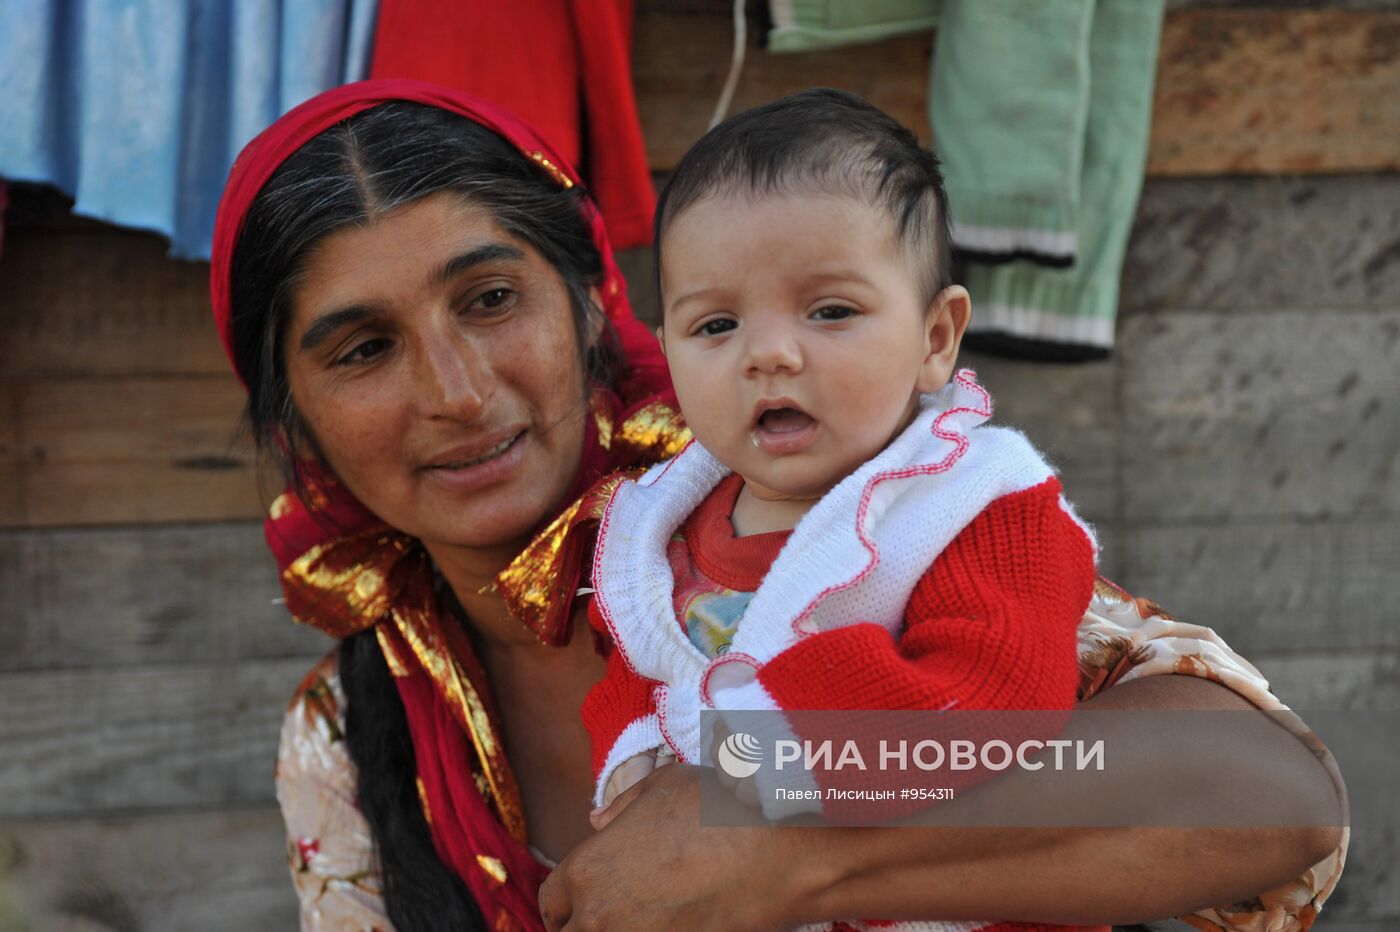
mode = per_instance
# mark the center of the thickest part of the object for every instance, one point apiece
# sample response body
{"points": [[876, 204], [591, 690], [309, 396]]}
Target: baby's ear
{"points": [[944, 325]]}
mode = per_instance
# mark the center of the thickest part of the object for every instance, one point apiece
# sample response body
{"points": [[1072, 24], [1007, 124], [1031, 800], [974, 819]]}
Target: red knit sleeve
{"points": [[991, 625], [619, 699]]}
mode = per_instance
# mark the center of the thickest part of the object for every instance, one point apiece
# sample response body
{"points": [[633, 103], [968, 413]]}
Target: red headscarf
{"points": [[352, 572]]}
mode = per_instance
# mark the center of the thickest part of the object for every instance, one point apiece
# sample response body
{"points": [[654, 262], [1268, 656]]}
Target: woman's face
{"points": [[432, 357]]}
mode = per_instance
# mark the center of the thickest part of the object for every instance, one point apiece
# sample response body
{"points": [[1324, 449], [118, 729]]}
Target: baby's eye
{"points": [[713, 328], [833, 312]]}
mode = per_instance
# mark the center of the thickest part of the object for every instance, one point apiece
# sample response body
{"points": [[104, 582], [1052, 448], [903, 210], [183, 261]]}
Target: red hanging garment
{"points": [[562, 66]]}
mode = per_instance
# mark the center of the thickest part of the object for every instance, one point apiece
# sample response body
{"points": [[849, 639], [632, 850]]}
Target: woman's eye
{"points": [[834, 312], [496, 299], [713, 328], [363, 352]]}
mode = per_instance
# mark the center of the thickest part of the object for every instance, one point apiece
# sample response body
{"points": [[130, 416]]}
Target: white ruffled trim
{"points": [[855, 557]]}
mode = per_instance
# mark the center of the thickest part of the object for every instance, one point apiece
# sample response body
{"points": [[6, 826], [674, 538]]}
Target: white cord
{"points": [[736, 64]]}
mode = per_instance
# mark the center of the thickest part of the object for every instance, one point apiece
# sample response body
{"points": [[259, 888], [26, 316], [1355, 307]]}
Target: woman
{"points": [[424, 308]]}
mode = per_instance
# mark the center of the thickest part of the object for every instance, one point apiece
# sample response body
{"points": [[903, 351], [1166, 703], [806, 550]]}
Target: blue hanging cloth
{"points": [[136, 108]]}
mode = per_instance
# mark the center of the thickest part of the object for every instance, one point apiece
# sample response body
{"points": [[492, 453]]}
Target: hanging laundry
{"points": [[810, 25], [564, 66], [1041, 113], [136, 110]]}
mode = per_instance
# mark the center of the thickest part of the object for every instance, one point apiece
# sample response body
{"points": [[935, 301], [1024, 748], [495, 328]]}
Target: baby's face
{"points": [[796, 335]]}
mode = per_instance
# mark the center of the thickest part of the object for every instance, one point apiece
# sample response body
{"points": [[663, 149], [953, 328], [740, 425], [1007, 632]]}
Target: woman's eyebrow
{"points": [[327, 324], [488, 253]]}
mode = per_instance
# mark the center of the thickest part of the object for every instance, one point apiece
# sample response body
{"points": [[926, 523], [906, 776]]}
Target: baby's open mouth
{"points": [[784, 420], [782, 429]]}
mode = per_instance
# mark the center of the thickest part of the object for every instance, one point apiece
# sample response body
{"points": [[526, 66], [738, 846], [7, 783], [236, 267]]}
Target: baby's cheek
{"points": [[863, 394]]}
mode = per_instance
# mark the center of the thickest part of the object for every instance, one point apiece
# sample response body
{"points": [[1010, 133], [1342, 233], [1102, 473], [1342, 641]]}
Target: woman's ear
{"points": [[297, 439], [944, 323], [597, 320]]}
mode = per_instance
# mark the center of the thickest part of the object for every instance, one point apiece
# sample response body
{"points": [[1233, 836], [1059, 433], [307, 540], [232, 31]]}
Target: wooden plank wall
{"points": [[145, 662], [1240, 454]]}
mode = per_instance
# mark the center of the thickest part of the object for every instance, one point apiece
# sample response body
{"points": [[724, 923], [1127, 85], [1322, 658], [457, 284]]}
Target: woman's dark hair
{"points": [[420, 891], [383, 158]]}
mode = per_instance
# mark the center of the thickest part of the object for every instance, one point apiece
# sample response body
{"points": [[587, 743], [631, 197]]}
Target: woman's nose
{"points": [[455, 381], [772, 348]]}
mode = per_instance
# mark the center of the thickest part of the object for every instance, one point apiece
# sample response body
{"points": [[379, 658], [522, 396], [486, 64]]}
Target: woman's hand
{"points": [[653, 866]]}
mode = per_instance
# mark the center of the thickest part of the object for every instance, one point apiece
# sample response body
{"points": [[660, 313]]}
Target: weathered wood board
{"points": [[1239, 91], [108, 597], [104, 302], [1069, 414], [130, 450], [1263, 243], [212, 871], [1254, 414], [1352, 681], [1368, 897], [148, 737], [1263, 91], [1275, 585], [12, 491]]}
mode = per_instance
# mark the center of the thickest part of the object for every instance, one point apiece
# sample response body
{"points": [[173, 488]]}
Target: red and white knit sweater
{"points": [[947, 572]]}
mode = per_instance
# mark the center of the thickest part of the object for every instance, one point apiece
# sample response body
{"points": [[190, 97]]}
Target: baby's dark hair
{"points": [[829, 140]]}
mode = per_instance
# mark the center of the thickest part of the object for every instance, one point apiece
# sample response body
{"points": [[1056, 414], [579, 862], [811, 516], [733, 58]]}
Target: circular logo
{"points": [[740, 755]]}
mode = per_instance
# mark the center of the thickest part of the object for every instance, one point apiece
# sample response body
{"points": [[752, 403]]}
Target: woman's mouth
{"points": [[490, 454], [465, 471], [784, 430]]}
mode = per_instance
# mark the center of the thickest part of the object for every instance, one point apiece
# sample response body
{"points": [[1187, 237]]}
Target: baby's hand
{"points": [[745, 790], [628, 773]]}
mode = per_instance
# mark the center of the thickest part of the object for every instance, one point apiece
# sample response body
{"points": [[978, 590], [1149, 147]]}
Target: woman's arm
{"points": [[742, 878], [779, 877], [330, 850], [1107, 875]]}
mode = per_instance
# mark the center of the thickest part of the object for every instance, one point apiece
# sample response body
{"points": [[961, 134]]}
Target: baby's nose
{"points": [[773, 349]]}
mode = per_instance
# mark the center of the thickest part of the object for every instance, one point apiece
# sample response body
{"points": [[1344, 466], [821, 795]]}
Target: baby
{"points": [[843, 533]]}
